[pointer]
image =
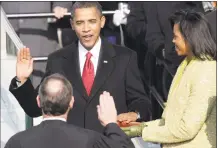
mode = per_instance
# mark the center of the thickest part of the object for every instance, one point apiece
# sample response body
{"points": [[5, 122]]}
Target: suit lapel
{"points": [[73, 71], [105, 67]]}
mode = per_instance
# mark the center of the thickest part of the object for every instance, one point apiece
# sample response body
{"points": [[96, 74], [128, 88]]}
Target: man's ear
{"points": [[38, 101], [103, 19], [71, 102]]}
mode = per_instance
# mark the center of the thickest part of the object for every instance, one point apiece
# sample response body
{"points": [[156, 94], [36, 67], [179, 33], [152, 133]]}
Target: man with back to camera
{"points": [[92, 65], [55, 100]]}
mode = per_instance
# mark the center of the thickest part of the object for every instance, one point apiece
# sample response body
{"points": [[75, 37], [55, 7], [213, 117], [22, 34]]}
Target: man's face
{"points": [[87, 23]]}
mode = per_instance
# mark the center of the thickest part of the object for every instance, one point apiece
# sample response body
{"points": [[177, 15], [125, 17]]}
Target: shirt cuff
{"points": [[15, 83]]}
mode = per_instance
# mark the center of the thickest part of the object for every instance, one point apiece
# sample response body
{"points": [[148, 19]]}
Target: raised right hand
{"points": [[24, 66]]}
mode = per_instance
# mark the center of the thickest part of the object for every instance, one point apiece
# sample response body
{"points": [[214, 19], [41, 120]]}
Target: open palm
{"points": [[24, 66]]}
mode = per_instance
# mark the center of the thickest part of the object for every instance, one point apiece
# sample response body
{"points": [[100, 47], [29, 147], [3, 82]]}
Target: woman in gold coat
{"points": [[189, 117]]}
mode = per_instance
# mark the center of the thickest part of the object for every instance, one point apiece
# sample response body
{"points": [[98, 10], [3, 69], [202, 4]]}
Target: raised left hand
{"points": [[106, 109], [127, 117]]}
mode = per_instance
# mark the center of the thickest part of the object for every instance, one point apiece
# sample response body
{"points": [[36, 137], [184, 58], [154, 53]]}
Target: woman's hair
{"points": [[197, 33]]}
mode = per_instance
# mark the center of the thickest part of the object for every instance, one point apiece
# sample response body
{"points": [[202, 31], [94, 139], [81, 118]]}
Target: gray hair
{"points": [[89, 4], [55, 99]]}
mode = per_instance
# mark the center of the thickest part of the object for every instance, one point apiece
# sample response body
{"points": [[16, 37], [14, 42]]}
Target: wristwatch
{"points": [[138, 115]]}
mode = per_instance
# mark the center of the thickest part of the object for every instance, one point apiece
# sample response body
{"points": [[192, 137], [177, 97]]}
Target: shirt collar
{"points": [[94, 51], [54, 118]]}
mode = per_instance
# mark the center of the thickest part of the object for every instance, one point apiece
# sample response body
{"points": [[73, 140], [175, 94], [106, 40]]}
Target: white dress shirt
{"points": [[54, 118], [95, 51]]}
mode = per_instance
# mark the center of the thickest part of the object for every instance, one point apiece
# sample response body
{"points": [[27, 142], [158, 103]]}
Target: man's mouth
{"points": [[87, 37]]}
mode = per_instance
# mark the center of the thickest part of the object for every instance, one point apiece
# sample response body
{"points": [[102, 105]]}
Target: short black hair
{"points": [[89, 4], [197, 33], [55, 102]]}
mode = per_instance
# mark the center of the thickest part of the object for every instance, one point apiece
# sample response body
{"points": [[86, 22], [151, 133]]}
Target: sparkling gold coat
{"points": [[189, 118]]}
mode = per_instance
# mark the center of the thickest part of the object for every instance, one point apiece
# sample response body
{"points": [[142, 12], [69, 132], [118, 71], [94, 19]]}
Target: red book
{"points": [[124, 124]]}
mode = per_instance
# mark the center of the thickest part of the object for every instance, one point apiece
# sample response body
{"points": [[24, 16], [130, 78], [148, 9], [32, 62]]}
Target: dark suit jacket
{"points": [[59, 134], [136, 30], [137, 20], [119, 76]]}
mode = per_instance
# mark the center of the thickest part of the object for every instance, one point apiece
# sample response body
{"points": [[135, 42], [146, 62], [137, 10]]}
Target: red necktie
{"points": [[88, 73]]}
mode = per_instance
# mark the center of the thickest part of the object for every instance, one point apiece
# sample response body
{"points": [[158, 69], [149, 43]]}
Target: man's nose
{"points": [[86, 27]]}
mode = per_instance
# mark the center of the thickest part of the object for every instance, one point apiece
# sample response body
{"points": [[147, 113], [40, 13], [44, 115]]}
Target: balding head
{"points": [[54, 87], [55, 95]]}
